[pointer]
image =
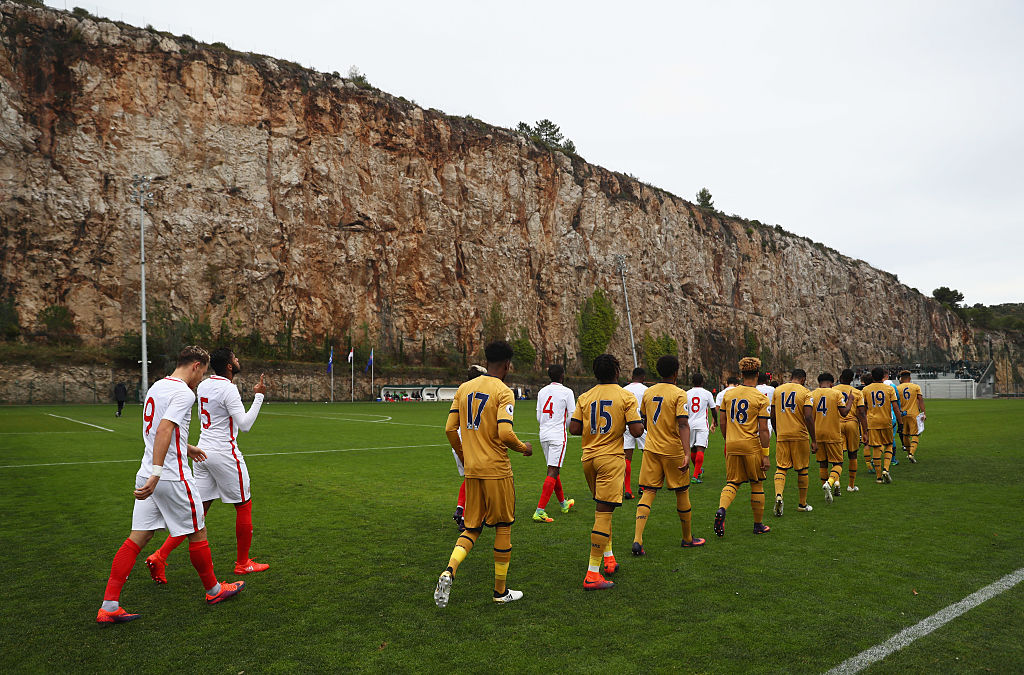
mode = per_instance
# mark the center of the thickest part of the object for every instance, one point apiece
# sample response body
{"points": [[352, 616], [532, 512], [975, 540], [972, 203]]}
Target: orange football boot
{"points": [[227, 590], [250, 566], [157, 568], [595, 582], [117, 616]]}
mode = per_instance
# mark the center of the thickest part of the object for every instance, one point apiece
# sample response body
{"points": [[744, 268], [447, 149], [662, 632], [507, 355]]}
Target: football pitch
{"points": [[352, 508]]}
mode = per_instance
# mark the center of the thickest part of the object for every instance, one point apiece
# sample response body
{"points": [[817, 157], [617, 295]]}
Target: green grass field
{"points": [[352, 508]]}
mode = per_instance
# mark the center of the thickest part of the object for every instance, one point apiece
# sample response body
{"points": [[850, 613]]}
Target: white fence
{"points": [[947, 388]]}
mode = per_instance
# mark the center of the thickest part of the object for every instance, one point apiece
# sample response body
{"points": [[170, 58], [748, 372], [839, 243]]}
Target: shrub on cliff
{"points": [[10, 328], [597, 324], [356, 77], [524, 355], [656, 347], [57, 324]]}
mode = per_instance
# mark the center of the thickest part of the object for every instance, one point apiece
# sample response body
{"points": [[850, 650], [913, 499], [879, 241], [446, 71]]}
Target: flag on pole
{"points": [[330, 359], [370, 362], [350, 352]]}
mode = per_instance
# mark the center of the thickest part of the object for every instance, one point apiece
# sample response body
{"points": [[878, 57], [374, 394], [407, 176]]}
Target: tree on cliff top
{"points": [[597, 324], [704, 199], [950, 297], [547, 134]]}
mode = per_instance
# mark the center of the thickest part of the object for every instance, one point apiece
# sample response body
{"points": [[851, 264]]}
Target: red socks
{"points": [[169, 545], [199, 553], [628, 480], [243, 530], [462, 495], [698, 462], [545, 493], [124, 561], [559, 495]]}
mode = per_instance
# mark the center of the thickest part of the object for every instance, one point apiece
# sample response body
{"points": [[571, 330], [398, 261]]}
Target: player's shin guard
{"points": [[823, 471], [169, 545], [502, 556], [600, 538], [757, 501], [913, 445], [202, 560], [643, 511], [462, 495], [559, 494], [462, 548], [545, 493], [887, 459], [802, 479], [853, 470], [835, 473], [728, 494], [780, 481], [124, 561], [698, 462], [684, 511], [243, 531]]}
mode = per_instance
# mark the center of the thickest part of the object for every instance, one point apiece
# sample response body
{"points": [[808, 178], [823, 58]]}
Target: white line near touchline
{"points": [[253, 454], [81, 422], [925, 626], [383, 421]]}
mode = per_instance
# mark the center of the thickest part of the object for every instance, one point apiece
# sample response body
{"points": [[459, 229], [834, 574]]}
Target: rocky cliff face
{"points": [[284, 196]]}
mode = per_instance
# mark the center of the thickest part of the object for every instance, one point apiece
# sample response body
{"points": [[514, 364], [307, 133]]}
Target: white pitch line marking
{"points": [[23, 433], [383, 421], [248, 454], [81, 422], [902, 639]]}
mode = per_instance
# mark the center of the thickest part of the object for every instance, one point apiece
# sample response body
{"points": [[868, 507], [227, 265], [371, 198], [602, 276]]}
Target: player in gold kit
{"points": [[602, 416], [880, 400], [745, 429], [790, 419], [855, 424], [666, 460], [912, 406], [828, 407]]}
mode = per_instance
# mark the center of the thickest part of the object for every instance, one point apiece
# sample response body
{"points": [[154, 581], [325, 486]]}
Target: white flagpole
{"points": [[373, 397], [332, 374], [352, 367]]}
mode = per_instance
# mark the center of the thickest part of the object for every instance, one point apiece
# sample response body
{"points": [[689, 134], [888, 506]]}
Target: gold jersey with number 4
{"points": [[828, 423], [605, 411], [663, 405]]}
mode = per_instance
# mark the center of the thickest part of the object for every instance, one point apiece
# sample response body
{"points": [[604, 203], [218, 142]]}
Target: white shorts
{"points": [[224, 477], [458, 464], [698, 438], [554, 451], [629, 441], [175, 505]]}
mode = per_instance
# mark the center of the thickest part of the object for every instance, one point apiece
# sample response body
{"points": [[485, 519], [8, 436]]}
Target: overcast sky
{"points": [[891, 131]]}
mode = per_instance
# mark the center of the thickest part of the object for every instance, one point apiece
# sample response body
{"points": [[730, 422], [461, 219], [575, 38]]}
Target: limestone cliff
{"points": [[285, 195]]}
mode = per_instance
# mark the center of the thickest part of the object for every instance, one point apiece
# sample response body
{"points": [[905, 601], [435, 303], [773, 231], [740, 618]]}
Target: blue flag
{"points": [[330, 360], [369, 363]]}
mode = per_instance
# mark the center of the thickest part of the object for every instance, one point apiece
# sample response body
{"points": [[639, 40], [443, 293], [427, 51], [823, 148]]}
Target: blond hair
{"points": [[750, 365], [193, 354]]}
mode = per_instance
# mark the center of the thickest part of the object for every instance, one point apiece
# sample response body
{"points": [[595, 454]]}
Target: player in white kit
{"points": [[555, 404], [769, 391], [629, 443], [699, 404], [165, 491], [223, 475]]}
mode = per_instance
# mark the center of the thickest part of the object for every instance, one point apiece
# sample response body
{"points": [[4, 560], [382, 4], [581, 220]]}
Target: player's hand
{"points": [[527, 448], [814, 446], [765, 462], [146, 490], [683, 465], [923, 416], [196, 454], [260, 388]]}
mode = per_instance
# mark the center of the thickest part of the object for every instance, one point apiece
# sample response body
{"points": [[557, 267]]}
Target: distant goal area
{"points": [[949, 379], [406, 393]]}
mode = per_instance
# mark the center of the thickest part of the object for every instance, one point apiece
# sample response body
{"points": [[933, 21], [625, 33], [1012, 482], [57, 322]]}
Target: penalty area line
{"points": [[925, 626], [81, 422]]}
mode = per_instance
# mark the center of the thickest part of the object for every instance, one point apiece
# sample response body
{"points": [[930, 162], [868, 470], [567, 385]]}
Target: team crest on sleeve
{"points": [[509, 409]]}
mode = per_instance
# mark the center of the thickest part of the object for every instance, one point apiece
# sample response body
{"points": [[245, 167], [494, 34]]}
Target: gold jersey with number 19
{"points": [[605, 411], [878, 397]]}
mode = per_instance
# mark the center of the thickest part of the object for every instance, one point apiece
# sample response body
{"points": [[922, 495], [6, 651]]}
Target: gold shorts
{"points": [[490, 502], [878, 437], [743, 468], [606, 475], [851, 436], [793, 454], [663, 471], [830, 451], [909, 426]]}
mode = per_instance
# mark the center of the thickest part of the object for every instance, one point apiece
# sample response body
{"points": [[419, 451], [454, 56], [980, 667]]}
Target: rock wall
{"points": [[285, 197]]}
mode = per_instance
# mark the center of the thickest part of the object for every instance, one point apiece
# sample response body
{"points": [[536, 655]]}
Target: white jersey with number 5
{"points": [[698, 402], [168, 399], [555, 404], [222, 415]]}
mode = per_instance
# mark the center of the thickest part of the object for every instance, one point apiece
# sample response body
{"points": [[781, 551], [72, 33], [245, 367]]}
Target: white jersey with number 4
{"points": [[698, 402], [168, 399], [555, 404], [222, 415]]}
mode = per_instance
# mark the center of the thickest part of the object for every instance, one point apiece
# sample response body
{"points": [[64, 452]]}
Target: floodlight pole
{"points": [[620, 261], [140, 194]]}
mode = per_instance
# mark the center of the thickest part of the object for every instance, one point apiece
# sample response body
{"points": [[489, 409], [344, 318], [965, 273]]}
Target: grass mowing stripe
{"points": [[926, 626], [80, 422]]}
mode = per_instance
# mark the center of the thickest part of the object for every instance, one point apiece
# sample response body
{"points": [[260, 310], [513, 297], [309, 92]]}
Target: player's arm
{"points": [[506, 407], [451, 430], [164, 433], [634, 418], [765, 438], [244, 420], [683, 425], [846, 406], [725, 425], [772, 415], [920, 404], [809, 422], [196, 454]]}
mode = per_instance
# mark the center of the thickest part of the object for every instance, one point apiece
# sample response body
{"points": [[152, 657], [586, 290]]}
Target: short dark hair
{"points": [[846, 377], [865, 378], [475, 371], [606, 369], [556, 372], [878, 373], [667, 365], [826, 377], [798, 372], [762, 378], [219, 360], [639, 373], [904, 373], [498, 351], [732, 379], [697, 380], [193, 354]]}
